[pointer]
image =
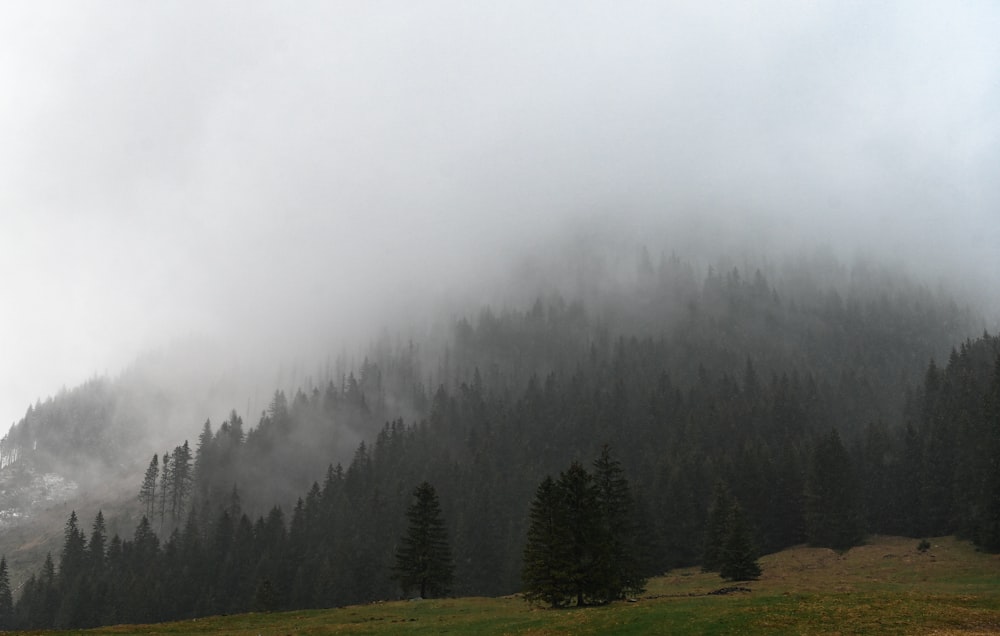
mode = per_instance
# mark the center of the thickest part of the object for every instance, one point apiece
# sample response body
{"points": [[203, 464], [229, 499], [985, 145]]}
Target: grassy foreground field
{"points": [[885, 587]]}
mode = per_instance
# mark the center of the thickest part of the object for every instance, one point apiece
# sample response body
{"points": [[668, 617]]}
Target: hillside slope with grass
{"points": [[887, 586]]}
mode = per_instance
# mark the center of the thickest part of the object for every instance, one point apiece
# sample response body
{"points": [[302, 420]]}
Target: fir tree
{"points": [[582, 521], [73, 559], [6, 600], [181, 478], [988, 529], [98, 539], [546, 554], [582, 538], [618, 570], [165, 479], [833, 511], [717, 528], [739, 558], [423, 559], [147, 492]]}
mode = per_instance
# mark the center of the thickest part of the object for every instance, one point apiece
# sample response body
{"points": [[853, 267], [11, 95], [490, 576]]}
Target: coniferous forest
{"points": [[695, 420]]}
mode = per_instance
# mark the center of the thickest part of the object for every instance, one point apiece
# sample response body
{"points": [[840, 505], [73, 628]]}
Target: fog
{"points": [[281, 178]]}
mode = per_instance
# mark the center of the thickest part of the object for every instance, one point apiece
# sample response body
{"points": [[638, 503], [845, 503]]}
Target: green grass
{"points": [[885, 587]]}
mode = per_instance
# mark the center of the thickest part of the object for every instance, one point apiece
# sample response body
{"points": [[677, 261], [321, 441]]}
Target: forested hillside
{"points": [[783, 386]]}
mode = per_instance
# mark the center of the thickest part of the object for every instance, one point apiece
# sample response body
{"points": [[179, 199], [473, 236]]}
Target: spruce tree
{"points": [[583, 538], [987, 533], [6, 599], [617, 571], [547, 560], [147, 492], [716, 528], [739, 557], [98, 539], [181, 478], [73, 559], [583, 523], [423, 560], [833, 510], [43, 611], [165, 480]]}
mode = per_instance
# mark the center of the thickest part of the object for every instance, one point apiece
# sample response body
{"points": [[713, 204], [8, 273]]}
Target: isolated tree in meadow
{"points": [[739, 557], [618, 572], [581, 517], [423, 560], [546, 553], [729, 547], [582, 538]]}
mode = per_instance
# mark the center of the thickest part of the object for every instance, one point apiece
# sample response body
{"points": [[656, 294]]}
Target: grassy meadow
{"points": [[884, 587]]}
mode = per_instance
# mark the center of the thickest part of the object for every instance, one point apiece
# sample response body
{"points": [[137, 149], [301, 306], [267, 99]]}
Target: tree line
{"points": [[785, 475], [788, 403]]}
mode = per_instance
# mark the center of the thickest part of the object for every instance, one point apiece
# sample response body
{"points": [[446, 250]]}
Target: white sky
{"points": [[275, 168]]}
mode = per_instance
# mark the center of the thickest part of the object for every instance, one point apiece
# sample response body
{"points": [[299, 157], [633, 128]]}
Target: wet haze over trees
{"points": [[789, 422], [322, 256]]}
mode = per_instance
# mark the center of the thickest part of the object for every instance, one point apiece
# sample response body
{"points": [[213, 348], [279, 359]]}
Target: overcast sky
{"points": [[177, 168]]}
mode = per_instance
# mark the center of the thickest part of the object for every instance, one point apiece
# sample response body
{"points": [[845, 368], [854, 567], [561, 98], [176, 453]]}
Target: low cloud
{"points": [[279, 175]]}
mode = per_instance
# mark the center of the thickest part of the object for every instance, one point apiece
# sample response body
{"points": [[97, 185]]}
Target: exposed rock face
{"points": [[24, 489]]}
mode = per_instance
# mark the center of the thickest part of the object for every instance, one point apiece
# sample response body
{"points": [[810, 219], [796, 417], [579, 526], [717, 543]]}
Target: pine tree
{"points": [[166, 479], [717, 528], [204, 462], [147, 492], [98, 539], [6, 600], [618, 571], [739, 558], [546, 559], [424, 558], [582, 538], [181, 479], [49, 594], [73, 559], [988, 530], [582, 522], [833, 510]]}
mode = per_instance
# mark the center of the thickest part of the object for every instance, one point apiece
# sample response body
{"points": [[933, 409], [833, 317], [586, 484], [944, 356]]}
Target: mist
{"points": [[286, 181]]}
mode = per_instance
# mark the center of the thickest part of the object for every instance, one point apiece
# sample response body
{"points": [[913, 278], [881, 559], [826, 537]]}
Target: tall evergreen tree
{"points": [[988, 530], [98, 539], [582, 538], [582, 520], [739, 557], [717, 528], [181, 478], [546, 554], [147, 492], [165, 479], [6, 600], [73, 559], [204, 462], [833, 509], [618, 569], [423, 560]]}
